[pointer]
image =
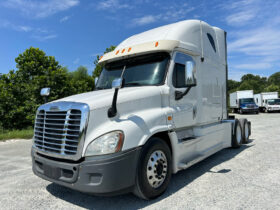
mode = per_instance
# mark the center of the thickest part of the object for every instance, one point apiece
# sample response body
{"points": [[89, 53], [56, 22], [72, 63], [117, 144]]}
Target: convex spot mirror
{"points": [[117, 83], [45, 91], [190, 79]]}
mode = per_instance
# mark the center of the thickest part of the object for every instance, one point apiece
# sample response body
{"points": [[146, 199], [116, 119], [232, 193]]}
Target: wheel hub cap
{"points": [[157, 169]]}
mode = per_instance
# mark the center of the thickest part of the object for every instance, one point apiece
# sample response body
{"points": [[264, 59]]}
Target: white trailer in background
{"points": [[267, 101], [243, 101]]}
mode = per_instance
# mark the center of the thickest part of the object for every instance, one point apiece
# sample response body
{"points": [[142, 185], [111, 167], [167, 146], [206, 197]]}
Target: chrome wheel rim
{"points": [[156, 169], [238, 135]]}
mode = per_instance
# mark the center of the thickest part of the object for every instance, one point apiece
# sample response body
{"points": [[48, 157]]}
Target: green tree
{"points": [[272, 88], [81, 81], [253, 82], [98, 67], [20, 90], [275, 79], [232, 85]]}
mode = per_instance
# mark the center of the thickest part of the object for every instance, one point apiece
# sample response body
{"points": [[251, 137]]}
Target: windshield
{"points": [[273, 101], [246, 100], [139, 71]]}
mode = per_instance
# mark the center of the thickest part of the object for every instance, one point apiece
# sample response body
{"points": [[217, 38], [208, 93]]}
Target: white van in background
{"points": [[268, 101]]}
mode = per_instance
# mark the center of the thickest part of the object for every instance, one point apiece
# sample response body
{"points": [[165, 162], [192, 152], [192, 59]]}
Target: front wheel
{"points": [[154, 169]]}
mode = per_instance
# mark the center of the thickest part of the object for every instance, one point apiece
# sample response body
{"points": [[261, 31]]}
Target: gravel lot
{"points": [[245, 178]]}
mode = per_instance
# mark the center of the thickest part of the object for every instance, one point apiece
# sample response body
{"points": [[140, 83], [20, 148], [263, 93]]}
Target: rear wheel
{"points": [[237, 135], [245, 130], [154, 169]]}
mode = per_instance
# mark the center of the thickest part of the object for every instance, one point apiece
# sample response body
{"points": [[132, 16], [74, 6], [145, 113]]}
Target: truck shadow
{"points": [[129, 201]]}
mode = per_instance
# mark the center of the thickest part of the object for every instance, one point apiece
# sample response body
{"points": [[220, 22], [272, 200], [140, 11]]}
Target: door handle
{"points": [[194, 112]]}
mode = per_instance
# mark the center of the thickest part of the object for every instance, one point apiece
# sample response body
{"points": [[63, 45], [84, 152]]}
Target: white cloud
{"points": [[241, 18], [76, 61], [15, 27], [40, 9], [262, 41], [235, 74], [148, 19], [65, 18], [24, 28], [112, 4], [171, 14], [241, 12], [42, 38], [254, 66]]}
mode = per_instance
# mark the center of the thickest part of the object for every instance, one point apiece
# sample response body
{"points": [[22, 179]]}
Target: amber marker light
{"points": [[117, 52], [129, 49], [101, 57], [156, 44], [169, 118], [123, 50]]}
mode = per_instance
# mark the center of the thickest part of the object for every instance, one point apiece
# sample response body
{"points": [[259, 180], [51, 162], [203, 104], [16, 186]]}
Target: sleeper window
{"points": [[211, 40]]}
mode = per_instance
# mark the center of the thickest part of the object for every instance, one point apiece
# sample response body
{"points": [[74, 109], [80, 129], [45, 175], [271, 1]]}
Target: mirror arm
{"points": [[112, 111], [179, 95]]}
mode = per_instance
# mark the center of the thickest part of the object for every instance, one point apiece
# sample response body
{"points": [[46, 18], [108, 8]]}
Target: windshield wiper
{"points": [[133, 84]]}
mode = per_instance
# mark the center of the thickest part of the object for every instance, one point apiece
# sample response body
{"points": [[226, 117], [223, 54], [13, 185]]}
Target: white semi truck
{"points": [[243, 102], [267, 101], [159, 107]]}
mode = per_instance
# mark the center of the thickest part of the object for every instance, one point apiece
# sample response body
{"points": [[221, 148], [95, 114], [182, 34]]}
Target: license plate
{"points": [[52, 172]]}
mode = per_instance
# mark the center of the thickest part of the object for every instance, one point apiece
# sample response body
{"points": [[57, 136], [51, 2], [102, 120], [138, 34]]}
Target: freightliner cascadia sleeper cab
{"points": [[160, 106]]}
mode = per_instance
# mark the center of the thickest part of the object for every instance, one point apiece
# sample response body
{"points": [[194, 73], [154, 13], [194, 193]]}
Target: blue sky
{"points": [[75, 31]]}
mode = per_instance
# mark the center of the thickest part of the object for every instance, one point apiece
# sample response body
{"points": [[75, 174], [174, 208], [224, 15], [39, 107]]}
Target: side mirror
{"points": [[45, 91], [117, 83], [190, 79], [95, 80]]}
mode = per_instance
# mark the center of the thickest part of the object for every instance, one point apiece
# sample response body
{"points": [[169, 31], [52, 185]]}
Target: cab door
{"points": [[183, 98]]}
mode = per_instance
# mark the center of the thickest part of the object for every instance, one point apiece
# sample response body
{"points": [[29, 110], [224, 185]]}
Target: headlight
{"points": [[108, 143]]}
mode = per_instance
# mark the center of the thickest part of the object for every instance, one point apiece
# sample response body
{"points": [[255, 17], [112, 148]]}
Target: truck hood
{"points": [[274, 106], [103, 98]]}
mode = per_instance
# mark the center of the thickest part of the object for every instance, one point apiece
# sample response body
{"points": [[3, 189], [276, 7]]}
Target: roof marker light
{"points": [[123, 50], [117, 52], [129, 49], [101, 57], [156, 44]]}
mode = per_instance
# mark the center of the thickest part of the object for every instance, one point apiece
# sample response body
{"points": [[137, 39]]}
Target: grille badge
{"points": [[54, 108]]}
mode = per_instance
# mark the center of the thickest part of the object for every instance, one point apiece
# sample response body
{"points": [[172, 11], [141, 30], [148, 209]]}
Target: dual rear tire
{"points": [[241, 132]]}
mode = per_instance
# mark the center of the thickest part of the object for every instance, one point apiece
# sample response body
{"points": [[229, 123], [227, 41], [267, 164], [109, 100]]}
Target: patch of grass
{"points": [[16, 134]]}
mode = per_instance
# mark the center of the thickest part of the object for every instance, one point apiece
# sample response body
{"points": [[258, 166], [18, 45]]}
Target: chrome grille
{"points": [[60, 132], [250, 106]]}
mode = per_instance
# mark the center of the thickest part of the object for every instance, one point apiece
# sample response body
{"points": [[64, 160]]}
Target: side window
{"points": [[212, 42], [184, 71]]}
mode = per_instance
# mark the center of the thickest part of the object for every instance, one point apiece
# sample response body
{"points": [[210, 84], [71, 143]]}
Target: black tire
{"points": [[237, 135], [143, 188], [245, 126]]}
